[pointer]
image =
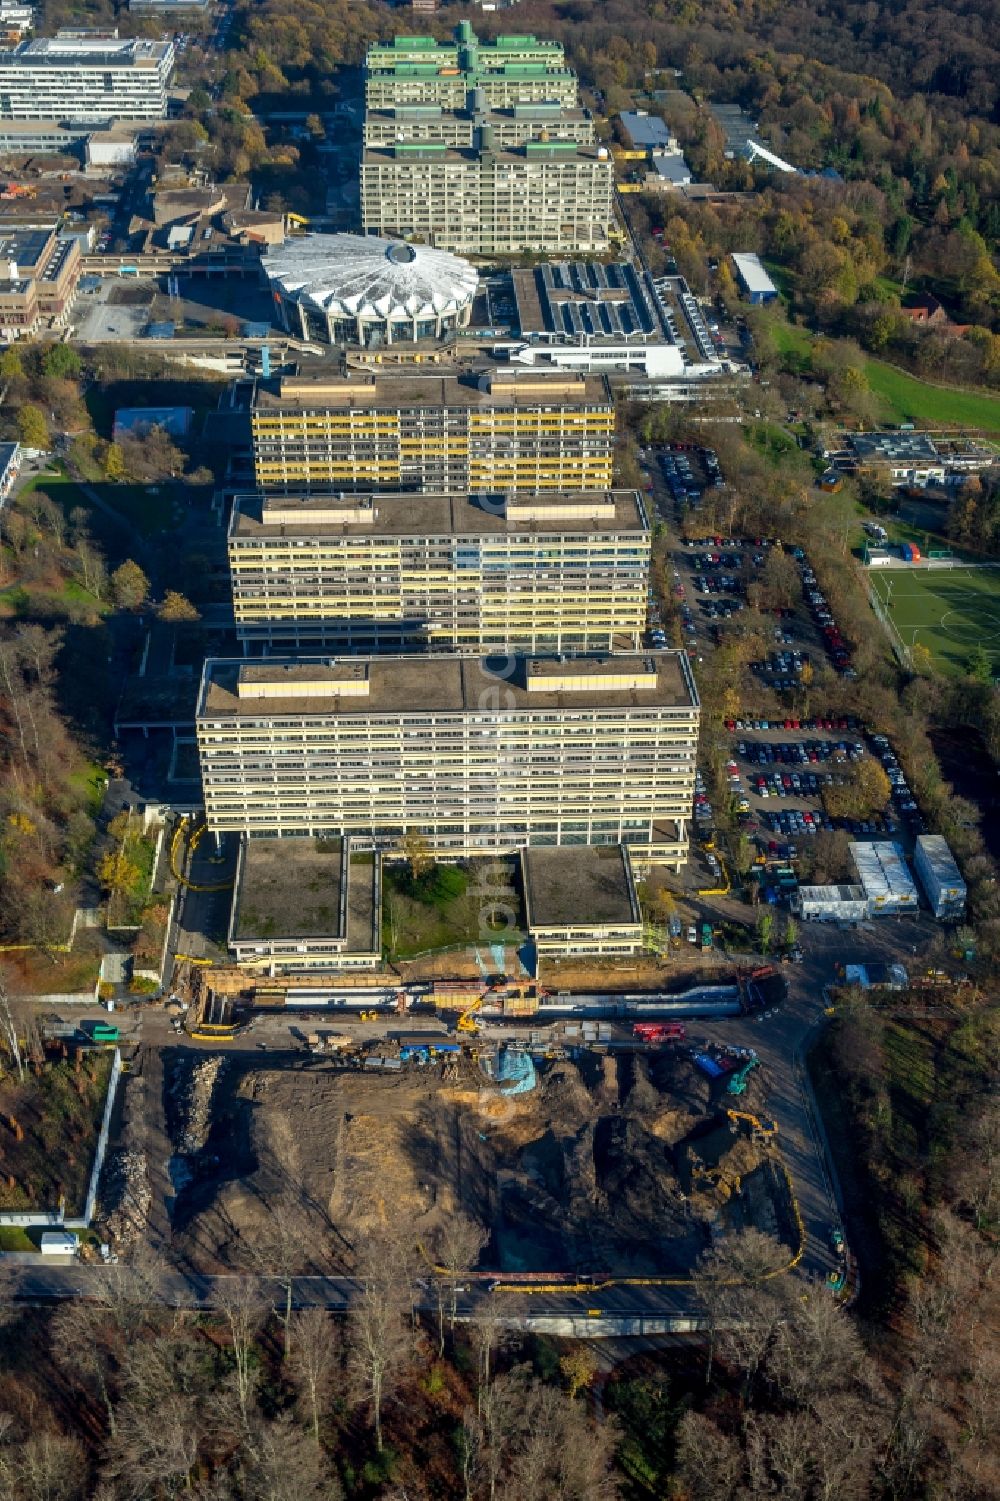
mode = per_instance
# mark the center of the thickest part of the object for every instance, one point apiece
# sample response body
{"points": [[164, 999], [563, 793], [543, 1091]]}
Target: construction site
{"points": [[583, 1156]]}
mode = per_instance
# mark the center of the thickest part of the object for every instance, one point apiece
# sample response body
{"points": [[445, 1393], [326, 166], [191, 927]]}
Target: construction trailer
{"points": [[939, 876], [830, 903], [883, 872]]}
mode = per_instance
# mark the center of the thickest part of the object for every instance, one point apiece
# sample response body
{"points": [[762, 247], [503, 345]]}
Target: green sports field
{"points": [[948, 610]]}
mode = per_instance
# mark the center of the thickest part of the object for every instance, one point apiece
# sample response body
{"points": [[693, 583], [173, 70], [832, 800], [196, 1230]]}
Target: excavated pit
{"points": [[622, 1164]]}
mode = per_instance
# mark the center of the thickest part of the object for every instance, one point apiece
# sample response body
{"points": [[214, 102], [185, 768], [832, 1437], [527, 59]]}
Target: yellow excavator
{"points": [[759, 1126], [467, 1021]]}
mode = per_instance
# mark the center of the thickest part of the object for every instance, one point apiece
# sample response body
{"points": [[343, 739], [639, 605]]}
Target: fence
{"points": [[902, 652], [48, 1218]]}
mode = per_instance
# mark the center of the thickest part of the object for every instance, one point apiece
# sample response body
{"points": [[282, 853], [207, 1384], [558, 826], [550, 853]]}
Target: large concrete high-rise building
{"points": [[545, 196], [510, 70], [476, 754], [483, 435], [482, 149], [377, 572]]}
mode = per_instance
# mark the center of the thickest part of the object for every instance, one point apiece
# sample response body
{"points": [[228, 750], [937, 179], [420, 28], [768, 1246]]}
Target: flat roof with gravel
{"points": [[579, 886], [290, 888], [404, 515], [445, 684]]}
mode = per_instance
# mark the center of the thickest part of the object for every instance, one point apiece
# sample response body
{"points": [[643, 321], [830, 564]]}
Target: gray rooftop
{"points": [[895, 447], [446, 684], [579, 886], [263, 518], [409, 391], [645, 131]]}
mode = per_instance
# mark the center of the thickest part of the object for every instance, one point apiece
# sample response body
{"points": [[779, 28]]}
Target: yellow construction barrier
{"points": [[175, 871]]}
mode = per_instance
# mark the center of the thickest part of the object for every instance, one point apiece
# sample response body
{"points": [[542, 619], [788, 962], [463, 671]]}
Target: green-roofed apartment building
{"points": [[482, 148]]}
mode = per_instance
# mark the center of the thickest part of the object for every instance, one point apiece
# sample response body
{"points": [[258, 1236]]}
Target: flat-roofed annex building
{"points": [[541, 572], [305, 904], [508, 71], [482, 436], [478, 754], [581, 901]]}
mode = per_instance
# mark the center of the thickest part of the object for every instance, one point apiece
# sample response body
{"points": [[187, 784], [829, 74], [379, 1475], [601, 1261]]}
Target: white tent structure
{"points": [[360, 289]]}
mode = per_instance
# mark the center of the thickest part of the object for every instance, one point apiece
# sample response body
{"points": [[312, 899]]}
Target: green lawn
{"points": [[906, 399], [148, 507], [948, 610], [417, 921]]}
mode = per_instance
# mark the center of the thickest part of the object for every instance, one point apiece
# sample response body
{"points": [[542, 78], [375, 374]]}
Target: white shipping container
{"points": [[58, 1243]]}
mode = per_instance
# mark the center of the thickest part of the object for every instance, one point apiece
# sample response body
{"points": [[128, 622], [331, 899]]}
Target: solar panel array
{"points": [[614, 305]]}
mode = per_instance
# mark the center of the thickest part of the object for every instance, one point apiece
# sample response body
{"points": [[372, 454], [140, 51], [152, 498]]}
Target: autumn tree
{"points": [[32, 428], [865, 789], [114, 462], [129, 586], [175, 609]]}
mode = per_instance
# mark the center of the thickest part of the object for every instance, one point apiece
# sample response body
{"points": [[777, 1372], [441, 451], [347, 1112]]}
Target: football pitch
{"points": [[948, 610]]}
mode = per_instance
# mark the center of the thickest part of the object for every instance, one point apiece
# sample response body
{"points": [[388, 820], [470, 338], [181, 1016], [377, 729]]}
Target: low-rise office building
{"points": [[476, 754], [10, 468], [483, 436], [376, 572], [883, 872], [581, 901], [83, 76], [939, 876], [830, 903], [305, 904], [509, 70], [547, 196]]}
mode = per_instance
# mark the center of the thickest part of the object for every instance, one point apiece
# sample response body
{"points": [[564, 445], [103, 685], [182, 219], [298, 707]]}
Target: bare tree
{"points": [[42, 1467], [245, 1312], [9, 1031], [80, 1346], [746, 1295], [152, 1447], [276, 1253], [458, 1245], [311, 1361], [282, 1464], [380, 1338], [709, 1460]]}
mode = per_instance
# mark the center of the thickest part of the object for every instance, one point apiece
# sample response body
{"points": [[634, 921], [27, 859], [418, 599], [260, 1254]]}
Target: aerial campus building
{"points": [[510, 70], [477, 754], [545, 196], [483, 435], [482, 149], [375, 572], [89, 76], [356, 289]]}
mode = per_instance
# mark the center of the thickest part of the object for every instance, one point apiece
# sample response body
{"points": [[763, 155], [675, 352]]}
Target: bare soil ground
{"points": [[612, 1164]]}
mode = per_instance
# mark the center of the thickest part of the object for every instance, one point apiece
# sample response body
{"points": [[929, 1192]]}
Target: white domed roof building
{"points": [[359, 289]]}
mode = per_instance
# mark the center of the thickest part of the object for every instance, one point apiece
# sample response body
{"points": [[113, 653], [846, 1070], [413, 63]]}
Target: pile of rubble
{"points": [[196, 1103], [127, 1198]]}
